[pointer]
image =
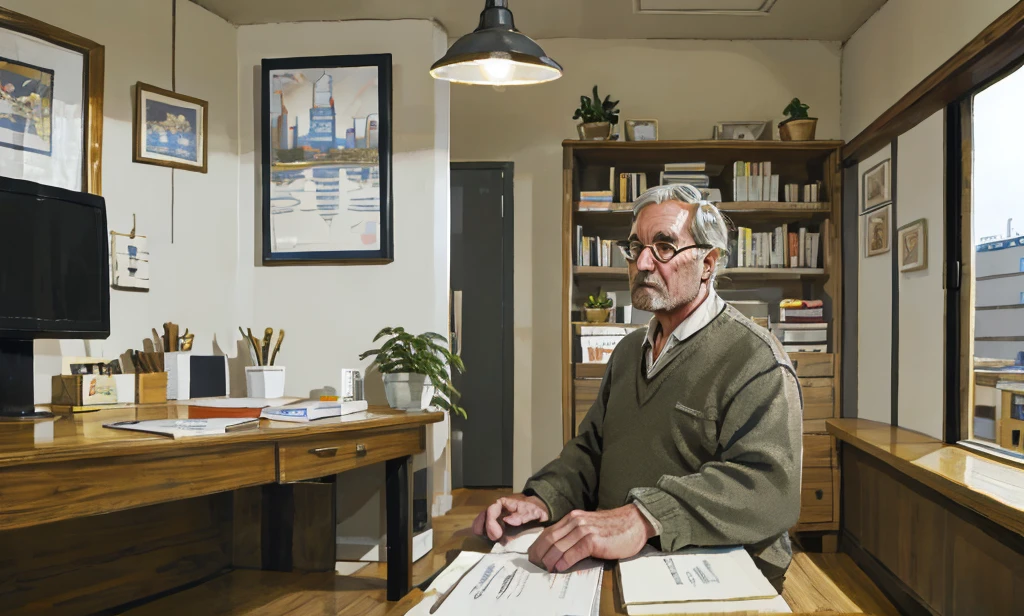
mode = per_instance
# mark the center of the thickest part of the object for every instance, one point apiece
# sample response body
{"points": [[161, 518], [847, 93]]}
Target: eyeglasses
{"points": [[663, 252]]}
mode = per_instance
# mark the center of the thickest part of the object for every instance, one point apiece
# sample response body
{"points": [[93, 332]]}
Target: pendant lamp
{"points": [[496, 54]]}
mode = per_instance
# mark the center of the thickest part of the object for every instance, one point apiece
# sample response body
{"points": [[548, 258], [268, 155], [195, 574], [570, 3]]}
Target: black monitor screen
{"points": [[53, 263]]}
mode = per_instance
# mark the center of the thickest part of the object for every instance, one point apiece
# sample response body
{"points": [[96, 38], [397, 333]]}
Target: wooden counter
{"points": [[938, 527], [92, 518]]}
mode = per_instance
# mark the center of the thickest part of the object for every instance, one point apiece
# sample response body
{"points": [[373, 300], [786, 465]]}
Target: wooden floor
{"points": [[828, 583]]}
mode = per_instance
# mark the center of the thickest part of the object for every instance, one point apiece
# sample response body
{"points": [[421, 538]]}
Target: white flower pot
{"points": [[408, 391], [264, 381]]}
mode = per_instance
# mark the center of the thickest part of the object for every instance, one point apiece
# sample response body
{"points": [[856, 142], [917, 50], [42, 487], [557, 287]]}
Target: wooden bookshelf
{"points": [[586, 168]]}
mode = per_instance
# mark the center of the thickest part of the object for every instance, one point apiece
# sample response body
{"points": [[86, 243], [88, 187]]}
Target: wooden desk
{"points": [[56, 472]]}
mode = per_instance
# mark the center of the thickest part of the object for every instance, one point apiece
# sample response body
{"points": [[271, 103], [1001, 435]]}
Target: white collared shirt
{"points": [[704, 314]]}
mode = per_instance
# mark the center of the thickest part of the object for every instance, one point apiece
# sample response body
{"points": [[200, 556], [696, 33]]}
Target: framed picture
{"points": [[877, 232], [876, 186], [912, 239], [326, 172], [51, 104], [169, 129], [756, 130], [641, 130]]}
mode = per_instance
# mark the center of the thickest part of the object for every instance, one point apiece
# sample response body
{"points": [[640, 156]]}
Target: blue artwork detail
{"points": [[26, 102], [171, 131]]}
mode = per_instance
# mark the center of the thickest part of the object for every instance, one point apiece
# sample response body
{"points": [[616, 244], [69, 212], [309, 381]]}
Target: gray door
{"points": [[481, 274]]}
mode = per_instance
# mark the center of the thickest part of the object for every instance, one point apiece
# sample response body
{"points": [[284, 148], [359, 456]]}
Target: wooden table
{"points": [[56, 472]]}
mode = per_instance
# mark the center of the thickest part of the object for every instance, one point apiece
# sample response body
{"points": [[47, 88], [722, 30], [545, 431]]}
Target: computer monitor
{"points": [[54, 278]]}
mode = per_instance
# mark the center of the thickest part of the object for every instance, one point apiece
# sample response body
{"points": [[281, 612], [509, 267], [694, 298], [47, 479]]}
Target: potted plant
{"points": [[797, 126], [597, 117], [415, 370], [598, 308]]}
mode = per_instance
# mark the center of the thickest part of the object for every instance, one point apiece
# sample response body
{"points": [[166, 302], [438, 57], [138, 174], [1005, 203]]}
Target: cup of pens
{"points": [[263, 379]]}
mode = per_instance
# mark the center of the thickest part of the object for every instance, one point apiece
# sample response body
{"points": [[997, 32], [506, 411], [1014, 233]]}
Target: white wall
{"points": [[193, 278], [687, 86], [902, 44], [331, 313], [874, 314], [920, 189]]}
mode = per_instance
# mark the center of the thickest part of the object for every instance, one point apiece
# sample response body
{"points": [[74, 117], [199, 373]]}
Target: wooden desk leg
{"points": [[398, 491]]}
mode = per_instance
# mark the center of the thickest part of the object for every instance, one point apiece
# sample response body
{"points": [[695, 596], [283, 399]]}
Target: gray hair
{"points": [[709, 225]]}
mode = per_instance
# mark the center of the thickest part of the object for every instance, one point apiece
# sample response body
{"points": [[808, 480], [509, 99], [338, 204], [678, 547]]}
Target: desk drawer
{"points": [[812, 364], [818, 451], [818, 398], [816, 496], [40, 493], [320, 456]]}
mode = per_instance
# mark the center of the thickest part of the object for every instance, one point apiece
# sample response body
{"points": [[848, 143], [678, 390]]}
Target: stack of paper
{"points": [[696, 580], [311, 411], [181, 428]]}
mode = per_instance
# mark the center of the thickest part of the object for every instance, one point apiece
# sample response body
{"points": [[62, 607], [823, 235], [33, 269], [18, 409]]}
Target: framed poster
{"points": [[169, 129], [913, 242], [877, 186], [877, 232], [326, 166], [51, 104]]}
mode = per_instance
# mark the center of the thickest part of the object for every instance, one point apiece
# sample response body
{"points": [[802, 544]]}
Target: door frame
{"points": [[507, 302]]}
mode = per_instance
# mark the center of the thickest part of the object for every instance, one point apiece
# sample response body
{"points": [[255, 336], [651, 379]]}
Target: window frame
{"points": [[959, 275]]}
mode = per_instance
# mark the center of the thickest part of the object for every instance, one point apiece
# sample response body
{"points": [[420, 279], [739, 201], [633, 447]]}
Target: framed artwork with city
{"points": [[326, 160]]}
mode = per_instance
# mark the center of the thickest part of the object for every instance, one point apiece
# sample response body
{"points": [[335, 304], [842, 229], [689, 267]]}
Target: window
{"points": [[992, 289]]}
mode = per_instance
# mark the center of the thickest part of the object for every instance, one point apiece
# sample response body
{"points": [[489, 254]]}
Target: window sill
{"points": [[991, 488]]}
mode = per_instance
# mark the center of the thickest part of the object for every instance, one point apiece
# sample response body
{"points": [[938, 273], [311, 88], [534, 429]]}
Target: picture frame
{"points": [[877, 231], [65, 72], [327, 194], [912, 242], [876, 186], [751, 130], [641, 130], [169, 129]]}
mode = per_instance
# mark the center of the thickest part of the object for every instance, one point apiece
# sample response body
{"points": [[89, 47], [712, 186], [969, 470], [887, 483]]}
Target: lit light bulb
{"points": [[497, 70]]}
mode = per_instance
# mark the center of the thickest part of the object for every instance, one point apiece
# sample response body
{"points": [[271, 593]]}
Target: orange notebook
{"points": [[210, 408]]}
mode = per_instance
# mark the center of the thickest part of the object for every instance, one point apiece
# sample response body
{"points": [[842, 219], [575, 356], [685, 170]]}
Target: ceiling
{"points": [[828, 20]]}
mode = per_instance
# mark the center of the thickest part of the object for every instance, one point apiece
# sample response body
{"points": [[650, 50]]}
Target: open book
{"points": [[183, 428]]}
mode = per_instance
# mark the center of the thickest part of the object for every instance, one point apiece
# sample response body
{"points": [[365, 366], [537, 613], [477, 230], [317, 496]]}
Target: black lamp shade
{"points": [[496, 54]]}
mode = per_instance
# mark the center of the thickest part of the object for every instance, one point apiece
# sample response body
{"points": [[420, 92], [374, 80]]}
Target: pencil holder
{"points": [[264, 381]]}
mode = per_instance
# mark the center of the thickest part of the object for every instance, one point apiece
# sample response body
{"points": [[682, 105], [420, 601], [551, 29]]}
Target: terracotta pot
{"points": [[597, 315], [595, 131], [798, 130]]}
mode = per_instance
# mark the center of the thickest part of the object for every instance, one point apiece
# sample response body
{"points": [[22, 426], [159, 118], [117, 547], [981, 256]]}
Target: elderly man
{"points": [[695, 438]]}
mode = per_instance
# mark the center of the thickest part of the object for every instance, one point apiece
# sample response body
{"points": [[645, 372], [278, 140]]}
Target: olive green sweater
{"points": [[710, 446]]}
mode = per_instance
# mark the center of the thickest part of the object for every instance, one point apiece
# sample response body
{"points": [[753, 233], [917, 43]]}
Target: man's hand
{"points": [[613, 534], [514, 510]]}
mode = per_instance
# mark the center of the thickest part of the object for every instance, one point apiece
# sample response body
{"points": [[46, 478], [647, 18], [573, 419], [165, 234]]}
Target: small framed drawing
{"points": [[877, 232], [912, 239], [326, 160], [51, 104], [641, 130], [876, 186], [169, 129]]}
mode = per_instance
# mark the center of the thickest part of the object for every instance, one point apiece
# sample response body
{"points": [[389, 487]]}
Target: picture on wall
{"points": [[129, 262], [169, 129], [51, 104], [877, 232], [326, 167], [913, 245], [876, 189], [26, 100]]}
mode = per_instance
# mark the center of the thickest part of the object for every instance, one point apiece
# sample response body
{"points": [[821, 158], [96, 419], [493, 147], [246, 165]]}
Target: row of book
{"points": [[777, 248], [594, 251], [754, 182], [801, 327], [695, 174], [809, 193], [600, 201]]}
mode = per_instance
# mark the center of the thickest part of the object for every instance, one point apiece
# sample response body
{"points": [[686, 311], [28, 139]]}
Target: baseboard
{"points": [[898, 593], [372, 550]]}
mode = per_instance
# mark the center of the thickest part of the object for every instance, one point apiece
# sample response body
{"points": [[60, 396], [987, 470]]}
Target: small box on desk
{"points": [[151, 388], [196, 376], [77, 390]]}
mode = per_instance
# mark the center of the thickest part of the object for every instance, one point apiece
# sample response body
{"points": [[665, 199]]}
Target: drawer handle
{"points": [[818, 494], [796, 364], [360, 450], [324, 452]]}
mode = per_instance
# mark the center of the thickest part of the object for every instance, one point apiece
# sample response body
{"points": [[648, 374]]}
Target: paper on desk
{"points": [[517, 542], [510, 585], [777, 605], [693, 574]]}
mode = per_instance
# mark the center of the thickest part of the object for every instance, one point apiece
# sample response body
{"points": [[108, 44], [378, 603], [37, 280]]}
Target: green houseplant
{"points": [[415, 370], [598, 308], [797, 126], [597, 117]]}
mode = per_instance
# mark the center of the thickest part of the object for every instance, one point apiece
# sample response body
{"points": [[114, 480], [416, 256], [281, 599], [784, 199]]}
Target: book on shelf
{"points": [[778, 248], [596, 195], [801, 315], [594, 206], [695, 166], [593, 251], [697, 180], [802, 336], [631, 186], [807, 193], [754, 182]]}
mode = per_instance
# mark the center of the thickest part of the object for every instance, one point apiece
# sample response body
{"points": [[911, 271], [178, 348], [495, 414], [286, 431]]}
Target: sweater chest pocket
{"points": [[701, 422]]}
